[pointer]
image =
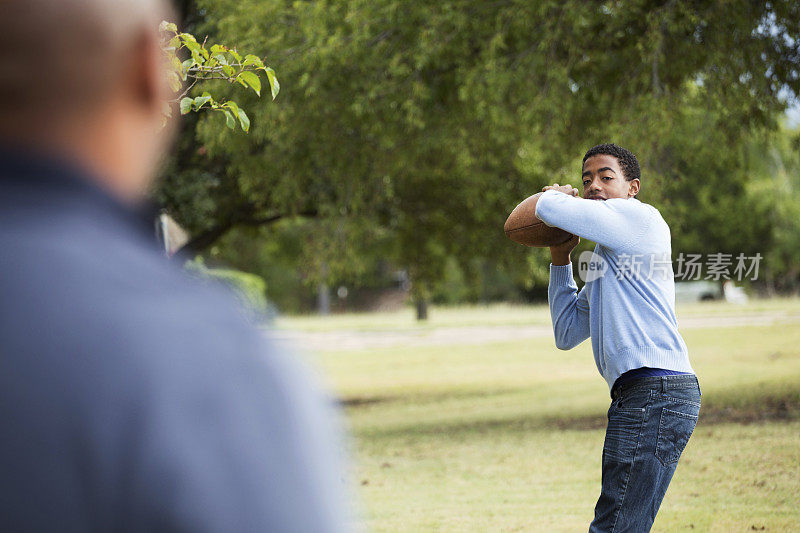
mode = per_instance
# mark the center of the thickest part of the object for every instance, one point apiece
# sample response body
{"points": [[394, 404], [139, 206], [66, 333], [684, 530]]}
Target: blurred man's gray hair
{"points": [[66, 54]]}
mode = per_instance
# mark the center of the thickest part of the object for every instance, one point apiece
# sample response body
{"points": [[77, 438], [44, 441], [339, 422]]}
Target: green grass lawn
{"points": [[507, 436], [504, 314]]}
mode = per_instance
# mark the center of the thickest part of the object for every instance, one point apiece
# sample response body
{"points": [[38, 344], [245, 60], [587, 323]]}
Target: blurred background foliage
{"points": [[405, 132]]}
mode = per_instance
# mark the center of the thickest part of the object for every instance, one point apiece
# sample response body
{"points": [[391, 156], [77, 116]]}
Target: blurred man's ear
{"points": [[147, 75]]}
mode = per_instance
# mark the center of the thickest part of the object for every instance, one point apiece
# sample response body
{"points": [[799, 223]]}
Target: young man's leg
{"points": [[649, 424]]}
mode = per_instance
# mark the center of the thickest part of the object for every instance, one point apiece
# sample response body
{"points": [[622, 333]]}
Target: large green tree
{"points": [[425, 123]]}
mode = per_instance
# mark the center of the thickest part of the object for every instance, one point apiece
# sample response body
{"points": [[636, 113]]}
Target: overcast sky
{"points": [[794, 115]]}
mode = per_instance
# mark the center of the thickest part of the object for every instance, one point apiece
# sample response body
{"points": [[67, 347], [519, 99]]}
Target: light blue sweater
{"points": [[627, 305]]}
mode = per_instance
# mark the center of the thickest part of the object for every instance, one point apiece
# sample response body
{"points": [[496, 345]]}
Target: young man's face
{"points": [[603, 179]]}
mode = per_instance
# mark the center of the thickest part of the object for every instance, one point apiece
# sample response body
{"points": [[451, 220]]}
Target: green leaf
{"points": [[244, 120], [220, 58], [274, 85], [190, 43], [233, 106], [174, 82], [250, 59], [176, 64], [186, 105], [217, 49], [252, 80], [273, 82], [200, 101], [229, 120], [235, 55], [185, 66], [228, 71], [193, 48], [168, 26]]}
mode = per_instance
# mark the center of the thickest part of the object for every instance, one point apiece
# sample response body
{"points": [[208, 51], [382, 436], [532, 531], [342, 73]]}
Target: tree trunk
{"points": [[422, 309], [323, 299]]}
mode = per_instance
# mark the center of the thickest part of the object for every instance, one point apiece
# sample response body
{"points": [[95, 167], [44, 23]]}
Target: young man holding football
{"points": [[627, 307]]}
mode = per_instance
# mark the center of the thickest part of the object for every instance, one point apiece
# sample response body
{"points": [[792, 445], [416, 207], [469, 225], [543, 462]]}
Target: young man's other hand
{"points": [[566, 189]]}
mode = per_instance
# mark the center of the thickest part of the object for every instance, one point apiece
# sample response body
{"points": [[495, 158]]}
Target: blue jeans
{"points": [[649, 423]]}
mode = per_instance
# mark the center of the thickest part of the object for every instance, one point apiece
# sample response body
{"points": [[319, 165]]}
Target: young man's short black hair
{"points": [[627, 161]]}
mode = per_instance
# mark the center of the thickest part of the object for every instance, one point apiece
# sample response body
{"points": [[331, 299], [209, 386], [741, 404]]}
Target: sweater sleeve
{"points": [[615, 223], [569, 309]]}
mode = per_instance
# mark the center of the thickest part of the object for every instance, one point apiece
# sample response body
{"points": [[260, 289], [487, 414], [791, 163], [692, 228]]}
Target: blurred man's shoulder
{"points": [[91, 277]]}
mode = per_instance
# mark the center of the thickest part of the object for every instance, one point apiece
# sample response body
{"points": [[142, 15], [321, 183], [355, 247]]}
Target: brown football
{"points": [[523, 227]]}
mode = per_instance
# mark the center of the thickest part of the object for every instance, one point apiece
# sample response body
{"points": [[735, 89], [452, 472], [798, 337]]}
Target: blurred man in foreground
{"points": [[130, 398]]}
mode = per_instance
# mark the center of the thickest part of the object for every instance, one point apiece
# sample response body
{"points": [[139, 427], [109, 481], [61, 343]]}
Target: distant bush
{"points": [[249, 289]]}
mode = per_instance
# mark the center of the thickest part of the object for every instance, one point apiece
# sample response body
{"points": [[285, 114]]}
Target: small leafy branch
{"points": [[214, 62]]}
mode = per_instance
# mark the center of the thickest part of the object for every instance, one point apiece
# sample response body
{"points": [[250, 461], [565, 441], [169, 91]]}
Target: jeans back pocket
{"points": [[623, 432], [674, 430]]}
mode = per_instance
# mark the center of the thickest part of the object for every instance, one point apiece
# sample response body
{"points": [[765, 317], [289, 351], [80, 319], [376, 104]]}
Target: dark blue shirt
{"points": [[131, 397], [645, 372]]}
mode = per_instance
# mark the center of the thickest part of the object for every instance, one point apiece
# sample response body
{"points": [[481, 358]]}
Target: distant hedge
{"points": [[249, 289]]}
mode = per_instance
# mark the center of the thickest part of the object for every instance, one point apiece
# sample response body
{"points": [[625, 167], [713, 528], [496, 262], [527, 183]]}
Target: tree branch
{"points": [[204, 240], [185, 92], [200, 242]]}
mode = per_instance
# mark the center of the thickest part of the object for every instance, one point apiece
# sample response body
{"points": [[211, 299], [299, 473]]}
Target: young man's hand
{"points": [[560, 254], [566, 189]]}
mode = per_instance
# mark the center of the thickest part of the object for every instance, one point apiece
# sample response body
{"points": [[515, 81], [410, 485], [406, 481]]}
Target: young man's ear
{"points": [[633, 187]]}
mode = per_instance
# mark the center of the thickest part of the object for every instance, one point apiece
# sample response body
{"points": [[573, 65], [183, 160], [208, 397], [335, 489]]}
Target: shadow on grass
{"points": [[362, 401], [431, 397], [719, 407], [767, 408]]}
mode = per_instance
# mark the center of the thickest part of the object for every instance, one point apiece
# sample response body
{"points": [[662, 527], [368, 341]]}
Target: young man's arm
{"points": [[569, 309], [615, 223]]}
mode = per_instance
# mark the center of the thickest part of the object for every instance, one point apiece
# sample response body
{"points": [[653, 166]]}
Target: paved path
{"points": [[350, 340]]}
